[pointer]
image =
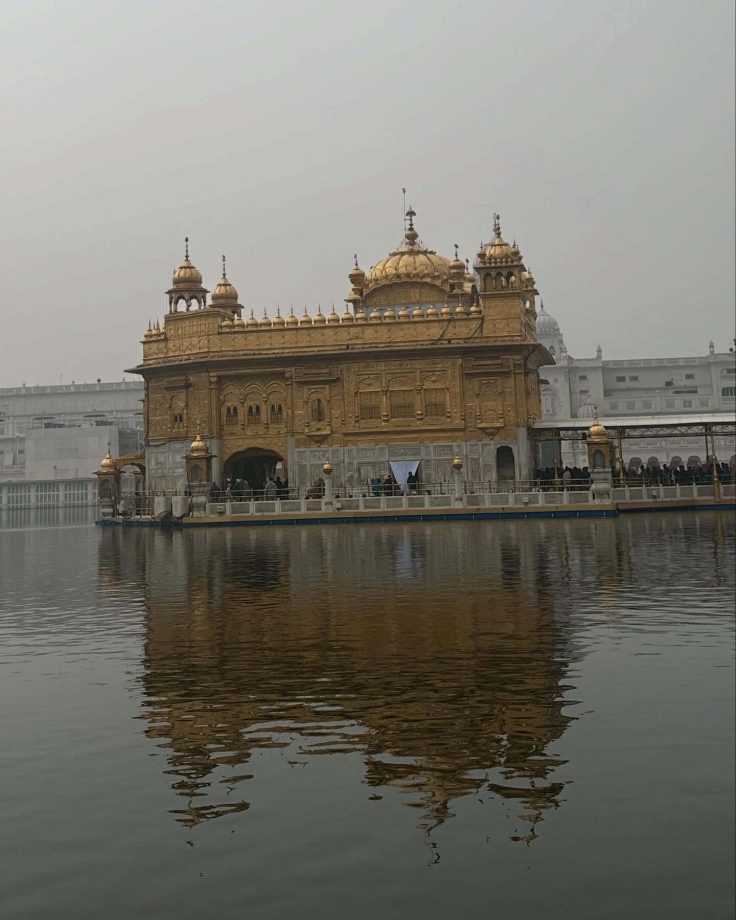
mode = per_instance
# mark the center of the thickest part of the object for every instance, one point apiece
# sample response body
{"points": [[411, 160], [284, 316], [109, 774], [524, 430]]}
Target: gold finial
{"points": [[456, 249], [223, 268], [411, 214], [497, 224], [186, 247], [355, 259]]}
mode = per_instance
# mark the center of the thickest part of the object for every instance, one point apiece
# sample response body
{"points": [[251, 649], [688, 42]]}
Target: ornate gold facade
{"points": [[428, 357]]}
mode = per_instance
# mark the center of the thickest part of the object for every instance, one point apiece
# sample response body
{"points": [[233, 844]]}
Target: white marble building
{"points": [[645, 388], [62, 432]]}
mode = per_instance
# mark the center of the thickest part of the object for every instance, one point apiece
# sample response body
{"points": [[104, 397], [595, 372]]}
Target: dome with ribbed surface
{"points": [[412, 261], [546, 324], [224, 294], [186, 275]]}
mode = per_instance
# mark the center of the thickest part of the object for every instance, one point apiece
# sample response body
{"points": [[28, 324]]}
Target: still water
{"points": [[501, 719]]}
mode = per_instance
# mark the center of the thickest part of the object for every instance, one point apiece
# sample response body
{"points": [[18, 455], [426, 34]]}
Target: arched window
{"points": [[254, 414], [317, 410], [276, 414]]}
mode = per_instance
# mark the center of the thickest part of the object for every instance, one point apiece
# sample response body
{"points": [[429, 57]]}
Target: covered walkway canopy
{"points": [[704, 426], [638, 426]]}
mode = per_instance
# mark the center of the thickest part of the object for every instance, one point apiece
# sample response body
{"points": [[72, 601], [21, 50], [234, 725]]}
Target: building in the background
{"points": [[60, 432], [429, 361], [692, 388]]}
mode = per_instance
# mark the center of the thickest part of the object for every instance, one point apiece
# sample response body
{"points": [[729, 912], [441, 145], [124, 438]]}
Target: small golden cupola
{"points": [[107, 464], [597, 431], [500, 252], [186, 285], [198, 447], [225, 295], [357, 281]]}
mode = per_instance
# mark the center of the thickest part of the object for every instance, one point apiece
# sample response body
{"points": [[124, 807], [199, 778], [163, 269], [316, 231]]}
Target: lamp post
{"points": [[457, 475], [329, 488]]}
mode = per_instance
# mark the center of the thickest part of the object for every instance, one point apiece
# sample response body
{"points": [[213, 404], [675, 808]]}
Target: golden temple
{"points": [[430, 360]]}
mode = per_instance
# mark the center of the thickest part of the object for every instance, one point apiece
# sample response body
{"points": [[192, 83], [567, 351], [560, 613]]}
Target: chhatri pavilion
{"points": [[429, 360]]}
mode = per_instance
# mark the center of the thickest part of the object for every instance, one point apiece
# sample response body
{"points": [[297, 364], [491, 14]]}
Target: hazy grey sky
{"points": [[281, 133]]}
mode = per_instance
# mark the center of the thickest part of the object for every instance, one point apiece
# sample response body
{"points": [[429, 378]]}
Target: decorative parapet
{"points": [[212, 332]]}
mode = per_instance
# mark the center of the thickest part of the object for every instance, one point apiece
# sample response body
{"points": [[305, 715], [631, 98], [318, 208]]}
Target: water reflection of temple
{"points": [[439, 654]]}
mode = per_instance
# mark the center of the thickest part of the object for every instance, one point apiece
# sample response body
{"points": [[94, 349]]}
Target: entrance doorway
{"points": [[505, 466], [255, 465]]}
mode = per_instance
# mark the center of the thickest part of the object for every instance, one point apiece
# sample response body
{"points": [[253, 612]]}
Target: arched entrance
{"points": [[255, 465], [505, 465]]}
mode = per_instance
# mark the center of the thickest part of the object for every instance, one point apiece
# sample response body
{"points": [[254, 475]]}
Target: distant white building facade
{"points": [[577, 388], [62, 432]]}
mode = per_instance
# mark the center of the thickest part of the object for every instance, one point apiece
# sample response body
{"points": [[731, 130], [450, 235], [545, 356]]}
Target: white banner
{"points": [[401, 470]]}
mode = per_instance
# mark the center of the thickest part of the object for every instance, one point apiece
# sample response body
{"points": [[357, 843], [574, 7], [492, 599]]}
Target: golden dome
{"points": [[224, 293], [475, 310], [417, 313], [457, 266], [357, 275], [404, 313], [186, 275], [457, 462], [291, 320], [327, 468], [279, 320], [375, 315], [108, 464], [348, 317], [238, 323], [597, 431], [389, 315], [333, 319], [432, 312], [320, 319], [264, 321], [446, 311], [460, 309], [226, 324], [500, 250], [305, 319], [360, 316], [251, 322], [412, 261], [198, 448]]}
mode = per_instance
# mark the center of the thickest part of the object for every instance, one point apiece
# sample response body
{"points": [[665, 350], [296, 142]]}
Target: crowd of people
{"points": [[576, 478], [568, 478], [240, 490]]}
